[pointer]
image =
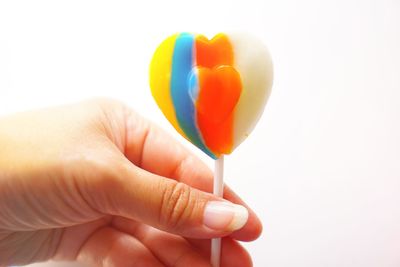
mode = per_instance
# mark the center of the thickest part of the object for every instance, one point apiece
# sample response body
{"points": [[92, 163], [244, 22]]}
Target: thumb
{"points": [[167, 204]]}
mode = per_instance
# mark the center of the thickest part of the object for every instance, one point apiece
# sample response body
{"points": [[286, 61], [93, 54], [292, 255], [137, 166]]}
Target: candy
{"points": [[212, 91]]}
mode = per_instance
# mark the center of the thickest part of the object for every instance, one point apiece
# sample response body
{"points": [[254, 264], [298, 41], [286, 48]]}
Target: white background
{"points": [[322, 168]]}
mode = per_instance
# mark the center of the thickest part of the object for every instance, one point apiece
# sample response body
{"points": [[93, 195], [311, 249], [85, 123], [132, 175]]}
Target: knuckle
{"points": [[177, 205]]}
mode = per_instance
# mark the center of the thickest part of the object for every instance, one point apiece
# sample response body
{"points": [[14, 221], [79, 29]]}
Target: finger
{"points": [[171, 250], [232, 253], [195, 173], [155, 151], [109, 247], [117, 187], [168, 248]]}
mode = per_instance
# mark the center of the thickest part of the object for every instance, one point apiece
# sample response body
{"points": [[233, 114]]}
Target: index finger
{"points": [[152, 149]]}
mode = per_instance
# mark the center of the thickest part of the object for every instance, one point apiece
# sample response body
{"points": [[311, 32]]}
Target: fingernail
{"points": [[225, 216]]}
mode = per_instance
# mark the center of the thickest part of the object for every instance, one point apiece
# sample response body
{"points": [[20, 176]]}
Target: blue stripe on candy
{"points": [[182, 64]]}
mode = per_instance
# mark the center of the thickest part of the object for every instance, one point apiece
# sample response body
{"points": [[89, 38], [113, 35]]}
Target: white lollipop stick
{"points": [[218, 191]]}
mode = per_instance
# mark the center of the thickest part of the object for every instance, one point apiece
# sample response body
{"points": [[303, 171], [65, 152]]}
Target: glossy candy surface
{"points": [[212, 91]]}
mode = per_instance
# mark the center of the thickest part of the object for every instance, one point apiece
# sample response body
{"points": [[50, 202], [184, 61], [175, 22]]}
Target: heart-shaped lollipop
{"points": [[212, 91]]}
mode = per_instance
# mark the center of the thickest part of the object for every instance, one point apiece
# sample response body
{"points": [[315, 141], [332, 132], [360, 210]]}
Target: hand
{"points": [[97, 183]]}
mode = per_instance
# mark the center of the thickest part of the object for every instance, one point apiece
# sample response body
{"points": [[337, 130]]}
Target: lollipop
{"points": [[213, 92]]}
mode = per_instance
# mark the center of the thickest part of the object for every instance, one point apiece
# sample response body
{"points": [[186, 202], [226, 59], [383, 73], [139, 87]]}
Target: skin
{"points": [[97, 183]]}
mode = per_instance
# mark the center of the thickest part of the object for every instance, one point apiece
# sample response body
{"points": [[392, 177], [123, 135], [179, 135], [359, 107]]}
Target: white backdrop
{"points": [[322, 168]]}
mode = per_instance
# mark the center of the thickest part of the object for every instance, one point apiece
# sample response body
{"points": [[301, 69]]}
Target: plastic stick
{"points": [[218, 191]]}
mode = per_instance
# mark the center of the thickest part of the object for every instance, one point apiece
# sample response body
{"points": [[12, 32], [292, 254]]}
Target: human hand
{"points": [[97, 183]]}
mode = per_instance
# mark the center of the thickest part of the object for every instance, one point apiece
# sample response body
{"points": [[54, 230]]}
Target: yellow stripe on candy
{"points": [[160, 80]]}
